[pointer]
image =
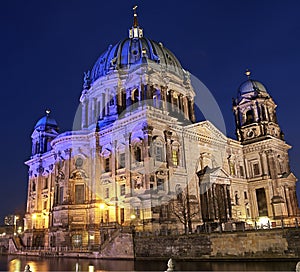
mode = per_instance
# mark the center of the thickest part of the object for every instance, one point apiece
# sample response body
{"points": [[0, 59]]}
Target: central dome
{"points": [[135, 51]]}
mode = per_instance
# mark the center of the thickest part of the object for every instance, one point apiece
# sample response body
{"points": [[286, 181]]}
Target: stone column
{"points": [[83, 118], [106, 103], [127, 137], [264, 164], [288, 200], [93, 110], [93, 178], [247, 172], [147, 130], [68, 153], [255, 113], [114, 174], [90, 113]]}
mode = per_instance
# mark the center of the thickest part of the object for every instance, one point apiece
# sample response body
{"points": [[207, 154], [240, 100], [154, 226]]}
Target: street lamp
{"points": [[101, 206], [132, 218]]}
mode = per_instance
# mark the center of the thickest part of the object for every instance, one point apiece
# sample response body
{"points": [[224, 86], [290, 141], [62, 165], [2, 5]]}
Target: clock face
{"points": [[250, 133]]}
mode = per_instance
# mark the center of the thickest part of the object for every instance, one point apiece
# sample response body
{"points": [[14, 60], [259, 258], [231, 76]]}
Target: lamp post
{"points": [[132, 218], [101, 206]]}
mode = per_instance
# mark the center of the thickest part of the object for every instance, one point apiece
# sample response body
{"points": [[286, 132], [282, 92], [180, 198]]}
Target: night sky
{"points": [[47, 45]]}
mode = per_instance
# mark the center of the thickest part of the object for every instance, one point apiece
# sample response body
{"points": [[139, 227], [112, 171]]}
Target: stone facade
{"points": [[140, 160]]}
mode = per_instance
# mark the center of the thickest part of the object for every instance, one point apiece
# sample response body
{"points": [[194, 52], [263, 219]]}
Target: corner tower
{"points": [[45, 130], [255, 112], [266, 159]]}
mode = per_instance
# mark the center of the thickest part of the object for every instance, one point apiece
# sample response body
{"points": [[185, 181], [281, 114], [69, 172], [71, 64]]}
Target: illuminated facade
{"points": [[139, 156]]}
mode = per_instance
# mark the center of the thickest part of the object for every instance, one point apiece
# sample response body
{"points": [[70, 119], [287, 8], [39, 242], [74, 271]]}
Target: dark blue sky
{"points": [[47, 45]]}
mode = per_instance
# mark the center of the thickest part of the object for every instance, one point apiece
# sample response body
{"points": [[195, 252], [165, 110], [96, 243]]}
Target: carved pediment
{"points": [[105, 182], [211, 175], [207, 130], [78, 174]]}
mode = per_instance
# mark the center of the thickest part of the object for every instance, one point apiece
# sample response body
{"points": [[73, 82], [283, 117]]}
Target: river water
{"points": [[17, 264]]}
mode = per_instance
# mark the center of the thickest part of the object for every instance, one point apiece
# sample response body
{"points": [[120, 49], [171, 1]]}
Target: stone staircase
{"points": [[119, 244]]}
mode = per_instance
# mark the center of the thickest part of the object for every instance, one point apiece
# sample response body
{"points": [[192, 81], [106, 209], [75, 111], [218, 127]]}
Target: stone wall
{"points": [[257, 243], [175, 246], [250, 244]]}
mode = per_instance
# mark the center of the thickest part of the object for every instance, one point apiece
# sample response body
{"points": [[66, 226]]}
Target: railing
{"points": [[214, 227]]}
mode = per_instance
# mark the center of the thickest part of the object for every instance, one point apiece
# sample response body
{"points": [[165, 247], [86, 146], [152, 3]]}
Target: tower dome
{"points": [[251, 88], [46, 122]]}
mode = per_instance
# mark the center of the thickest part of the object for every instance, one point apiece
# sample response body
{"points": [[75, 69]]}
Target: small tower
{"points": [[45, 130], [255, 112]]}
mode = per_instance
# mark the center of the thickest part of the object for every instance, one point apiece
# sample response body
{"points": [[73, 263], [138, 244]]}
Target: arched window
{"points": [[33, 186], [135, 95], [156, 98], [158, 149], [138, 154], [37, 147], [236, 198], [249, 117]]}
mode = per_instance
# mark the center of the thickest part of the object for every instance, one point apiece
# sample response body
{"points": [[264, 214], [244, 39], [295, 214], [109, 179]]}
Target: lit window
{"points": [[77, 240], [175, 157], [232, 169]]}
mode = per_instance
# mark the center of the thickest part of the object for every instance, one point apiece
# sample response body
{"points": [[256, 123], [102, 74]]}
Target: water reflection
{"points": [[17, 264]]}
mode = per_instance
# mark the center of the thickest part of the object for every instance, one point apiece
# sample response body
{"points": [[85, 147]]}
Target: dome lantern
{"points": [[135, 32]]}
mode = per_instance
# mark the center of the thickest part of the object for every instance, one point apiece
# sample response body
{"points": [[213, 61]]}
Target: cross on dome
{"points": [[135, 32], [248, 73], [135, 19]]}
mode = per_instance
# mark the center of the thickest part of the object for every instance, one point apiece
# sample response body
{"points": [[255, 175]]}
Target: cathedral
{"points": [[141, 160]]}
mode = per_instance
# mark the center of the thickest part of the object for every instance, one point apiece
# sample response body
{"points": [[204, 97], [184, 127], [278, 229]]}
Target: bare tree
{"points": [[185, 208]]}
